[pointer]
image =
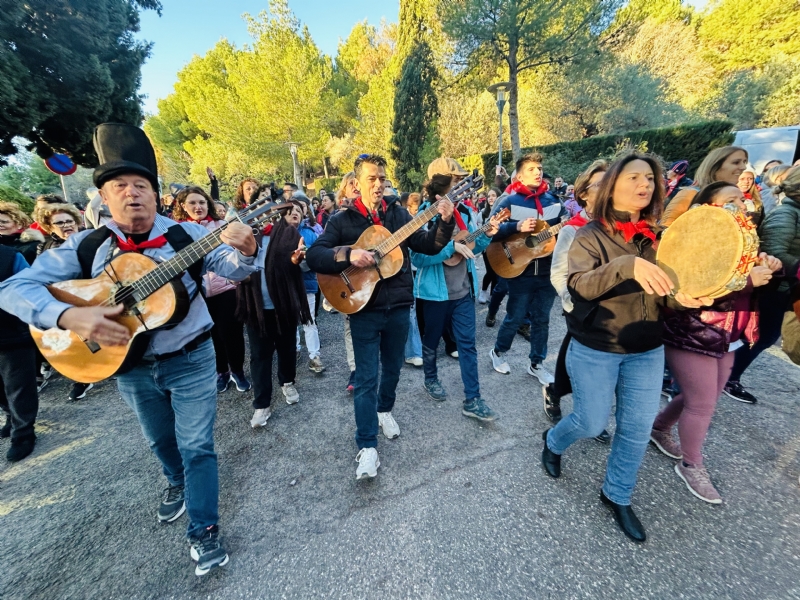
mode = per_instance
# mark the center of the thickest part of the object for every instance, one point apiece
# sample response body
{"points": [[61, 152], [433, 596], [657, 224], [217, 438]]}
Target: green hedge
{"points": [[9, 194], [568, 159]]}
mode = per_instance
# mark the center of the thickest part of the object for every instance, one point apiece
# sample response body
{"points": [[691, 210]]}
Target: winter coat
{"points": [[712, 330], [25, 242], [13, 332], [330, 254], [611, 311], [309, 277], [430, 283], [780, 237]]}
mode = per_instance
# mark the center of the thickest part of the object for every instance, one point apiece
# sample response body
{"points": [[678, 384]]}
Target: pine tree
{"points": [[414, 137], [65, 66]]}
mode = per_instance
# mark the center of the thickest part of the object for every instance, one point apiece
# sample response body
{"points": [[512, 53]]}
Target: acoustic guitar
{"points": [[463, 236], [152, 293], [510, 257], [351, 290]]}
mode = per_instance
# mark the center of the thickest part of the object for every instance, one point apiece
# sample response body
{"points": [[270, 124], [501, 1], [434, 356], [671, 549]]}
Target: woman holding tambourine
{"points": [[700, 345], [617, 350]]}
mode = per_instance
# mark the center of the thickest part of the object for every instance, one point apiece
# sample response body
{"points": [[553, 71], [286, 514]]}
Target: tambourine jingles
{"points": [[709, 251]]}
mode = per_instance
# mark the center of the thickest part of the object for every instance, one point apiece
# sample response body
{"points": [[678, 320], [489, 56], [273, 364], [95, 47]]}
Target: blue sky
{"points": [[189, 27]]}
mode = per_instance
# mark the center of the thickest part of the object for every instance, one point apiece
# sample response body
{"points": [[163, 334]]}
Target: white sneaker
{"points": [[543, 376], [260, 417], [414, 360], [389, 426], [499, 364], [483, 297], [368, 463], [290, 393], [454, 354]]}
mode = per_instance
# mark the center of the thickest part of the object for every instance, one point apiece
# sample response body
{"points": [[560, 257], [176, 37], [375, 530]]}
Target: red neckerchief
{"points": [[359, 205], [629, 229], [268, 229], [747, 195], [129, 245], [577, 221], [459, 220], [672, 184], [205, 219], [520, 188]]}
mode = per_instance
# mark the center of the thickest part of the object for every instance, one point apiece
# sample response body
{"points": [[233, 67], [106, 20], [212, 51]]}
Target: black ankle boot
{"points": [[21, 448], [626, 519], [604, 437], [550, 460]]}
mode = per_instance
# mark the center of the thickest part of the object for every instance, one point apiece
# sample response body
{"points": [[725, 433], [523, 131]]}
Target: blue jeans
{"points": [[413, 342], [499, 292], [459, 317], [533, 296], [175, 401], [379, 338], [596, 378]]}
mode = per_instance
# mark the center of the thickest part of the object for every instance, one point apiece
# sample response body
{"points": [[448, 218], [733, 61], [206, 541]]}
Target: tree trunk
{"points": [[325, 166], [513, 115]]}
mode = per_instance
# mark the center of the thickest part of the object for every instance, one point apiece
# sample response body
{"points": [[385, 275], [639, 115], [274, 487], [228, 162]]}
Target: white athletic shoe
{"points": [[389, 426], [368, 463], [260, 417], [499, 363], [483, 298], [414, 360], [543, 376], [290, 393]]}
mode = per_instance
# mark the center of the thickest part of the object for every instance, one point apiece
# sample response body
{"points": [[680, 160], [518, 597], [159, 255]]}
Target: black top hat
{"points": [[123, 149]]}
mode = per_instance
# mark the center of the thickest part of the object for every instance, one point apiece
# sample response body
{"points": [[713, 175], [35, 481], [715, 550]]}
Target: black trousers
{"points": [[562, 385], [449, 342], [228, 333], [491, 277], [18, 397], [262, 352]]}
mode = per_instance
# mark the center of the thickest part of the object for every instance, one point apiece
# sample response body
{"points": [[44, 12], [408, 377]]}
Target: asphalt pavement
{"points": [[459, 509]]}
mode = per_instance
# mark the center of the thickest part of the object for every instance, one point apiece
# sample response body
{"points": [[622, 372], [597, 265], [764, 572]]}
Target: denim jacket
{"points": [[429, 284]]}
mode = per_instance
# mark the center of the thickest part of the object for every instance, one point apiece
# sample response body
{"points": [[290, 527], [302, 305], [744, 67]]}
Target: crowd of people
{"points": [[632, 339]]}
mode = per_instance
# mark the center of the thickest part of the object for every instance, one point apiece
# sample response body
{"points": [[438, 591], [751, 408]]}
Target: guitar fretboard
{"points": [[548, 233], [402, 234], [172, 267]]}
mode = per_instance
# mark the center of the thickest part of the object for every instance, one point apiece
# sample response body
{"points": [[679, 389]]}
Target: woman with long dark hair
{"points": [[272, 303], [195, 205], [245, 193], [616, 352]]}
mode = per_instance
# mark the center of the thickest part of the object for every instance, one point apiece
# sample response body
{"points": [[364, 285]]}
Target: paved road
{"points": [[459, 510]]}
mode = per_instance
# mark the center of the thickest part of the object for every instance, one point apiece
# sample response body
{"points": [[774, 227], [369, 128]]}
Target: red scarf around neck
{"points": [[359, 205], [629, 229], [520, 188], [128, 245], [577, 221]]}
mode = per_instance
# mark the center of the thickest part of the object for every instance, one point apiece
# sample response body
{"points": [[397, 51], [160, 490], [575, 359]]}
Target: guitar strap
{"points": [[176, 235]]}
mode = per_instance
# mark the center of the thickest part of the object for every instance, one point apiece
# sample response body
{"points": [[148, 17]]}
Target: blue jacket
{"points": [[309, 277], [429, 284], [522, 208]]}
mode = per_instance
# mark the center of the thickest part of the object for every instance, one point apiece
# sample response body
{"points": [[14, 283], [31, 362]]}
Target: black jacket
{"points": [[611, 311], [13, 332], [330, 254]]}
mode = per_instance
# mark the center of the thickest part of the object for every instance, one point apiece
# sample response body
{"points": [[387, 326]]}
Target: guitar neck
{"points": [[173, 267], [548, 233], [474, 235], [402, 234]]}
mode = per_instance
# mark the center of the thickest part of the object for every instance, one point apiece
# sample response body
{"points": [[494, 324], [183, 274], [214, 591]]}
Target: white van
{"points": [[764, 145]]}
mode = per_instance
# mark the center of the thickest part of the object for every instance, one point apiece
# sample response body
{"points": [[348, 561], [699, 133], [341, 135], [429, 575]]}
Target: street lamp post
{"points": [[499, 89], [295, 165]]}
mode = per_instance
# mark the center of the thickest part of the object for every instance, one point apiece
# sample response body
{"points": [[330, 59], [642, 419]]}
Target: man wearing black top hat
{"points": [[172, 390]]}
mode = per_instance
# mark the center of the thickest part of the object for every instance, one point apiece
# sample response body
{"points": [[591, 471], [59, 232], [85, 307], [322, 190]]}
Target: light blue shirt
{"points": [[25, 295]]}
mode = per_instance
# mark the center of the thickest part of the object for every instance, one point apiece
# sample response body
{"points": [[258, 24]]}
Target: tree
{"points": [[415, 113], [67, 65], [524, 35]]}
